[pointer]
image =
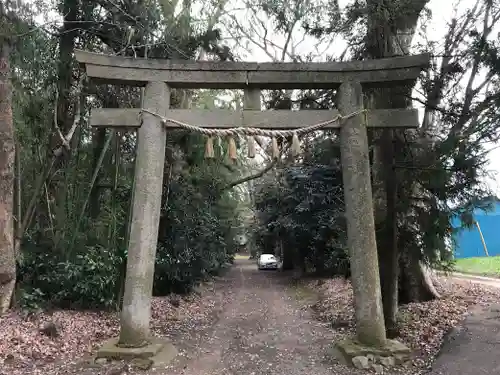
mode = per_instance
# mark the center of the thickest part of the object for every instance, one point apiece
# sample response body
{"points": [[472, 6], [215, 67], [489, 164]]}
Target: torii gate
{"points": [[158, 76]]}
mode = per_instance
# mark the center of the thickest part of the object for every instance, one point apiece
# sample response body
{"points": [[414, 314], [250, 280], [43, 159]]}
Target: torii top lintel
{"points": [[241, 75]]}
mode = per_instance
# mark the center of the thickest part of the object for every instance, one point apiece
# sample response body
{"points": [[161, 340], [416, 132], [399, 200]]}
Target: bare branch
{"points": [[259, 174]]}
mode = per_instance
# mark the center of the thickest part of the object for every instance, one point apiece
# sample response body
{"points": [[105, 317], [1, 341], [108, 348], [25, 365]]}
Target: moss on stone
{"points": [[351, 348], [158, 351]]}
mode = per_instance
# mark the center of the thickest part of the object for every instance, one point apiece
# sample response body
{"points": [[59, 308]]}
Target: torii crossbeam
{"points": [[243, 75]]}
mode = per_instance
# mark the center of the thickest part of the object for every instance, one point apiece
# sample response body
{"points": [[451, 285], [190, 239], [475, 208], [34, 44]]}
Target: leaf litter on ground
{"points": [[423, 326], [24, 349]]}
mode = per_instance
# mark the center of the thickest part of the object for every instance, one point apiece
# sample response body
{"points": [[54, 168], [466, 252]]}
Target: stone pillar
{"points": [[151, 139], [370, 327]]}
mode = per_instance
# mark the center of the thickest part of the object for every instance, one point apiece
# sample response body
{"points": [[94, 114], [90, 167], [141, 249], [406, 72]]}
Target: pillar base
{"points": [[363, 357], [158, 352]]}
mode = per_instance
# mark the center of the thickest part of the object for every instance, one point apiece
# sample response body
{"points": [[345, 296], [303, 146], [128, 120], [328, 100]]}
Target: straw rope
{"points": [[251, 130]]}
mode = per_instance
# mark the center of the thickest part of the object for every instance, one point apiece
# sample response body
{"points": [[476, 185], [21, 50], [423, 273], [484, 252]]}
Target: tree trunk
{"points": [[67, 38], [415, 283], [320, 260], [68, 34], [288, 257], [7, 158], [389, 34], [387, 248]]}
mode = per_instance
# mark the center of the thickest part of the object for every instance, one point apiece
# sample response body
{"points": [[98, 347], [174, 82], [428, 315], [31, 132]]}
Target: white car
{"points": [[267, 262]]}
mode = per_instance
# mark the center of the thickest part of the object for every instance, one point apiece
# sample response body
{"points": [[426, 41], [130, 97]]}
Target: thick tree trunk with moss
{"points": [[416, 284], [390, 32], [7, 157]]}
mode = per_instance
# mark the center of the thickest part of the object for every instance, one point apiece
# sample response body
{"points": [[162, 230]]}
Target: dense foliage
{"points": [[304, 212], [73, 251]]}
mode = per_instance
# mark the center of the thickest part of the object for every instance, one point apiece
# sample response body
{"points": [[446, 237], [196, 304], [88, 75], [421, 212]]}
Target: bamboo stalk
{"points": [[18, 193], [92, 182], [112, 228]]}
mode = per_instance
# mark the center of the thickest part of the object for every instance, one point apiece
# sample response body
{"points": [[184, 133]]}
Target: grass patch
{"points": [[485, 266]]}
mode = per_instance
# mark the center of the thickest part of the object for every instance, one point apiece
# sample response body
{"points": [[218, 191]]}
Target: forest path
{"points": [[262, 330]]}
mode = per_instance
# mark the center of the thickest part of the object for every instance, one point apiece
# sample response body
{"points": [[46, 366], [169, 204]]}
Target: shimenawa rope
{"points": [[250, 132]]}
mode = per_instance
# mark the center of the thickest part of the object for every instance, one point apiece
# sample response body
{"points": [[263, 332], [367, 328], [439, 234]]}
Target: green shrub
{"points": [[88, 280]]}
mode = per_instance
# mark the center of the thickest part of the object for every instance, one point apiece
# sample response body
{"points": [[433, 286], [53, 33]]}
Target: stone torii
{"points": [[159, 76]]}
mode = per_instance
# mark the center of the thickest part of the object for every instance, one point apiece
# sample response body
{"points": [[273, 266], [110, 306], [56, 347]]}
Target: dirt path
{"points": [[261, 330], [482, 280]]}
